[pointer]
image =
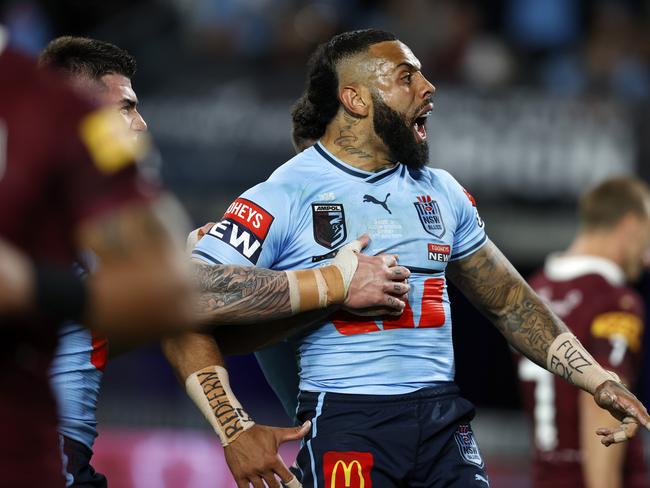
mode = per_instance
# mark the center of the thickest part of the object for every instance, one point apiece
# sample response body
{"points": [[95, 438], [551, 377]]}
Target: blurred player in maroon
{"points": [[68, 181], [586, 287]]}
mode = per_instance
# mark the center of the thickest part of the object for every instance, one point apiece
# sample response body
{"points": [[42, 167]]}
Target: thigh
{"points": [[448, 454], [458, 464], [356, 446]]}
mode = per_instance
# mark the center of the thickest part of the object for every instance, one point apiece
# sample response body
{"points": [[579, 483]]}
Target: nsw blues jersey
{"points": [[314, 204], [76, 374]]}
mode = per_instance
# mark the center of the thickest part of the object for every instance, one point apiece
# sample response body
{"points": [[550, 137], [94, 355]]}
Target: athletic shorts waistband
{"points": [[438, 390]]}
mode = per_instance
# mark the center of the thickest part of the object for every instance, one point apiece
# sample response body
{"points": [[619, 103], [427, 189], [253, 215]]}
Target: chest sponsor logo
{"points": [[383, 203], [347, 469], [329, 224], [467, 445], [430, 216], [244, 227], [438, 252]]}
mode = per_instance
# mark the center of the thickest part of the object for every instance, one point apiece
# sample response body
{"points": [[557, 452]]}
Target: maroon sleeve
{"points": [[100, 163], [615, 333]]}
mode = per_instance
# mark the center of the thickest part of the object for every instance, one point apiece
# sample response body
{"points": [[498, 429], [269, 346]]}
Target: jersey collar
{"points": [[560, 267], [367, 176]]}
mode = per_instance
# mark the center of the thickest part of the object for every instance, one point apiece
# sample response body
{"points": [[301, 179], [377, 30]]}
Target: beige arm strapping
{"points": [[210, 389], [312, 289], [568, 359]]}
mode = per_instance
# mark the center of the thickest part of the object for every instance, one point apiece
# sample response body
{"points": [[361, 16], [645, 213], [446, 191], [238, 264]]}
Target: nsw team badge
{"points": [[467, 445], [430, 216], [329, 224]]}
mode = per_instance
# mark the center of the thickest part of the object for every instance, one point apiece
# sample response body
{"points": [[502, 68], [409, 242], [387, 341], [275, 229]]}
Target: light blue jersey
{"points": [[314, 204], [76, 373]]}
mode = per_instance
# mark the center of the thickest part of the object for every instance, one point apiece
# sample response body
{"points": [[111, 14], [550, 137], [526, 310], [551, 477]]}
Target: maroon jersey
{"points": [[59, 166], [589, 294]]}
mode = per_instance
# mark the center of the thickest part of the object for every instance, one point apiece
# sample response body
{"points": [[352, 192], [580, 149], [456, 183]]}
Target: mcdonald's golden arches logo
{"points": [[347, 469]]}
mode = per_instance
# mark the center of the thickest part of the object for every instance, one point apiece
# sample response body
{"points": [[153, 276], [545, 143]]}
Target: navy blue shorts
{"points": [[421, 439], [76, 465]]}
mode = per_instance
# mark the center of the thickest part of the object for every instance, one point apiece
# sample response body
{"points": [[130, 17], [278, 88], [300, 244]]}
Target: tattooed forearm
{"points": [[241, 294], [264, 334], [495, 287]]}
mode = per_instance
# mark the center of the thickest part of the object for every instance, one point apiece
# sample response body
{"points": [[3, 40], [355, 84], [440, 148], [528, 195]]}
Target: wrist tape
{"points": [[59, 292], [210, 389], [570, 360], [312, 289]]}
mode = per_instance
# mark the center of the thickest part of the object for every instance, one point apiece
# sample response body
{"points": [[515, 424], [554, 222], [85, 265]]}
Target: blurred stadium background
{"points": [[537, 100]]}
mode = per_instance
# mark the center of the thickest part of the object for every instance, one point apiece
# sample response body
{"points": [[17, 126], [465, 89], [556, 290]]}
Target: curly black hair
{"points": [[89, 57], [319, 102]]}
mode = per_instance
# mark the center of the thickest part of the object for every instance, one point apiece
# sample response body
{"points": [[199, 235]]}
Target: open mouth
{"points": [[419, 124]]}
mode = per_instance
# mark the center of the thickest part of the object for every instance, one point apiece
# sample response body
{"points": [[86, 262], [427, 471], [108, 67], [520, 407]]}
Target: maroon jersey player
{"points": [[67, 181], [586, 287]]}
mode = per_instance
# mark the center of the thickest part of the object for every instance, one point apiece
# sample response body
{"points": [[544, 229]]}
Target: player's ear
{"points": [[354, 101]]}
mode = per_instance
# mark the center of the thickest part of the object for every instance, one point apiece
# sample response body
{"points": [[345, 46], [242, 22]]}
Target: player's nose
{"points": [[138, 124], [427, 90]]}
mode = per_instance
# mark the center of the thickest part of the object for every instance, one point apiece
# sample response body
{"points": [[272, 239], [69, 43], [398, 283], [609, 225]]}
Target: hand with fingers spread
{"points": [[254, 460], [623, 405], [379, 285]]}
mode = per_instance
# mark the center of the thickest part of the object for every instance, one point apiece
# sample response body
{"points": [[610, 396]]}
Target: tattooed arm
{"points": [[240, 294], [493, 286], [498, 291]]}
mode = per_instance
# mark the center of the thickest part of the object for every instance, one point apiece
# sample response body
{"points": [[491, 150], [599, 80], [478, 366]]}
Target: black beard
{"points": [[397, 133]]}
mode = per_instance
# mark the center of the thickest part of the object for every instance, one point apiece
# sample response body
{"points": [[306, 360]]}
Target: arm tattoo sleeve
{"points": [[241, 294], [495, 287]]}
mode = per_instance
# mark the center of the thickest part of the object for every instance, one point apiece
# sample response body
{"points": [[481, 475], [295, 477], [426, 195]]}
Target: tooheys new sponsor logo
{"points": [[347, 469], [245, 226], [438, 252]]}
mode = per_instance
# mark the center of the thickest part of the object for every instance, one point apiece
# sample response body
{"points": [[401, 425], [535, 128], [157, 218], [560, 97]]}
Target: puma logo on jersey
{"points": [[371, 199], [478, 477]]}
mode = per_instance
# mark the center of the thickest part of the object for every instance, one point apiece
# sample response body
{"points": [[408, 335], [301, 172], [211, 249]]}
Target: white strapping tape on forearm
{"points": [[293, 483], [210, 390], [317, 288], [346, 261], [570, 360]]}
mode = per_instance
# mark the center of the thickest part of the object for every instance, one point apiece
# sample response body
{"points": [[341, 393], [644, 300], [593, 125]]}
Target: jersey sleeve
{"points": [[615, 334], [470, 235], [251, 231], [100, 167]]}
